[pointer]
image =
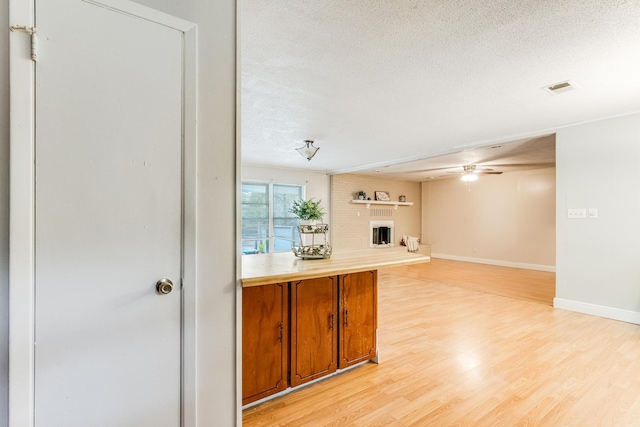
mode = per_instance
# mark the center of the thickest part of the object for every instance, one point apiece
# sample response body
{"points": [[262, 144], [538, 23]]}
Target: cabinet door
{"points": [[313, 329], [358, 317], [264, 341]]}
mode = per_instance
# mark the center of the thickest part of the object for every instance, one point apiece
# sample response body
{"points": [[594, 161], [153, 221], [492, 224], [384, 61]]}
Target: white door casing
{"points": [[103, 205]]}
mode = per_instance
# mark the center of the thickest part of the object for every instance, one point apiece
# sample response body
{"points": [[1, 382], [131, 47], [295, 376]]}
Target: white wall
{"points": [[506, 219], [216, 274], [4, 211], [598, 260]]}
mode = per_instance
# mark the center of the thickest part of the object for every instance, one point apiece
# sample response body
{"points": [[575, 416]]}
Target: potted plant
{"points": [[307, 210], [362, 195]]}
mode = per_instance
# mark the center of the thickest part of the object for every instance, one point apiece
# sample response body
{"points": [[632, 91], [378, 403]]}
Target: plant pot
{"points": [[308, 239], [313, 241]]}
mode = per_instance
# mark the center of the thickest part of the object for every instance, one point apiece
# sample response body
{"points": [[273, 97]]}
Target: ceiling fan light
{"points": [[469, 177], [308, 150]]}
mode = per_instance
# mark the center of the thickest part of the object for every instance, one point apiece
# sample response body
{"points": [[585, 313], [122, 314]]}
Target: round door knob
{"points": [[164, 286]]}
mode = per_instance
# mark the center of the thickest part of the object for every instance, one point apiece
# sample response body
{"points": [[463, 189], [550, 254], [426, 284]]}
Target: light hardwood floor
{"points": [[452, 356], [529, 285]]}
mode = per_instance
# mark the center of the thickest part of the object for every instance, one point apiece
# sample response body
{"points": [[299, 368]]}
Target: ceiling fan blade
{"points": [[481, 172]]}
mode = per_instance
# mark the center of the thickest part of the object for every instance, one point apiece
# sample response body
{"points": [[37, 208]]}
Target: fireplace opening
{"points": [[381, 234]]}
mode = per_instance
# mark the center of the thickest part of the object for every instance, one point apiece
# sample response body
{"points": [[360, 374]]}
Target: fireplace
{"points": [[380, 234]]}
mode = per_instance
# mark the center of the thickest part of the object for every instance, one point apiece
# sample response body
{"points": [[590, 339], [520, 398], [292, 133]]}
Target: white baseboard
{"points": [[598, 310], [550, 268]]}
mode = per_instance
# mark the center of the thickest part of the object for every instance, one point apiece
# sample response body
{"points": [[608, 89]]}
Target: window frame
{"points": [[271, 236]]}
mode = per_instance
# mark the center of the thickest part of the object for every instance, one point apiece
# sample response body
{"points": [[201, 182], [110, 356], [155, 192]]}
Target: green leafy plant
{"points": [[307, 209]]}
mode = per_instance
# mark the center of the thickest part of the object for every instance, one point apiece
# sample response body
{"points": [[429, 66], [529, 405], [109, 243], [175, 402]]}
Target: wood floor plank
{"points": [[529, 285], [475, 354]]}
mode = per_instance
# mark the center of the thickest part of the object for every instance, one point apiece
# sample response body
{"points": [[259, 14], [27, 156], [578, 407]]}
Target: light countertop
{"points": [[263, 269]]}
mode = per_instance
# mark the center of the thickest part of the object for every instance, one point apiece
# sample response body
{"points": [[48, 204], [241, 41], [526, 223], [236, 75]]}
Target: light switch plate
{"points": [[593, 213], [576, 213]]}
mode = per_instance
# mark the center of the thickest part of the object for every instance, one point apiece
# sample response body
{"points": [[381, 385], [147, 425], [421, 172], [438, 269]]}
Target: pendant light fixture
{"points": [[308, 150]]}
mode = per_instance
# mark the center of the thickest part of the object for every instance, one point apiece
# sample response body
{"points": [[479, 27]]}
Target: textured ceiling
{"points": [[378, 83]]}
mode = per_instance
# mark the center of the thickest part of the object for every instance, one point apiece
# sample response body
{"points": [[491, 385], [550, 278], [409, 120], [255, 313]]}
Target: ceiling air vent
{"points": [[560, 87]]}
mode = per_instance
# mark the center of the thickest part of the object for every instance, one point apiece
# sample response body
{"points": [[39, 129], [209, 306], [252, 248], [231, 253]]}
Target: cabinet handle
{"points": [[280, 337], [346, 318], [332, 316]]}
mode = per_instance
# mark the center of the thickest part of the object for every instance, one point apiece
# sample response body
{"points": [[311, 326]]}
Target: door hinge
{"points": [[32, 32]]}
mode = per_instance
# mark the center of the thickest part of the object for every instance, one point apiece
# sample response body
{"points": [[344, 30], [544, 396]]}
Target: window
{"points": [[255, 218], [267, 224]]}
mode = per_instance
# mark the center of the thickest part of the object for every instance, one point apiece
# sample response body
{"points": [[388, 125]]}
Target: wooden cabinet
{"points": [[358, 317], [296, 332], [313, 329], [265, 314]]}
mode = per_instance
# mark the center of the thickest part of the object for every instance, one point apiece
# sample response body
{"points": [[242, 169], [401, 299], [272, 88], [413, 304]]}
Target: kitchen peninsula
{"points": [[304, 319]]}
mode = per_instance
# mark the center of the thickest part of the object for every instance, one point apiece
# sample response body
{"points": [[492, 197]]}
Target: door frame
{"points": [[22, 101]]}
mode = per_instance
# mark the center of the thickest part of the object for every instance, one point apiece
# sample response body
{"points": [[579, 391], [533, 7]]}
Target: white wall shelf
{"points": [[380, 202]]}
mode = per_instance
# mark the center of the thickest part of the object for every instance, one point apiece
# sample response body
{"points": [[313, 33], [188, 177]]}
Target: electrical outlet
{"points": [[576, 213]]}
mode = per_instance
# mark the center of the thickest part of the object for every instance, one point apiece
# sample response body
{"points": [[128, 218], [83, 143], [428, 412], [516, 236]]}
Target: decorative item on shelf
{"points": [[312, 246], [402, 198], [383, 196], [362, 195]]}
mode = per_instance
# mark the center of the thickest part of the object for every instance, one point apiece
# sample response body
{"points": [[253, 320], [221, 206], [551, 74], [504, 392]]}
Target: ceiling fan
{"points": [[476, 169], [471, 172]]}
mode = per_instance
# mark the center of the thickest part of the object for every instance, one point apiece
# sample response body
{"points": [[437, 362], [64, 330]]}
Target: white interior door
{"points": [[108, 222]]}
